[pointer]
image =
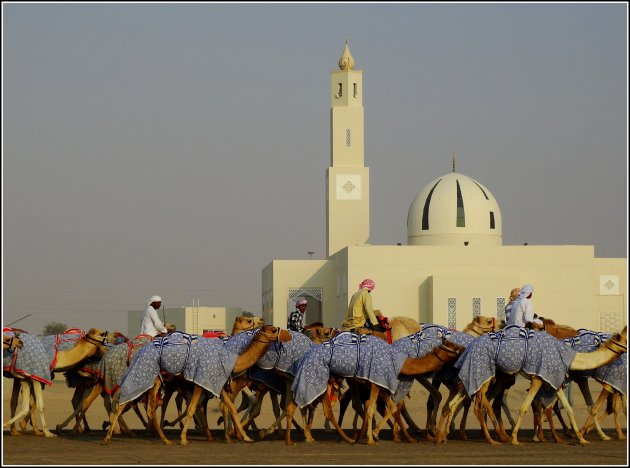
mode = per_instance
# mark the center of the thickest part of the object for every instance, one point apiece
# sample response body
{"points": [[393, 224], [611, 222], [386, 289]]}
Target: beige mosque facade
{"points": [[454, 265]]}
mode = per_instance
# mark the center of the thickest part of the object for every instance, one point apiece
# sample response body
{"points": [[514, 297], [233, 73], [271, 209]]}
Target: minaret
{"points": [[347, 178]]}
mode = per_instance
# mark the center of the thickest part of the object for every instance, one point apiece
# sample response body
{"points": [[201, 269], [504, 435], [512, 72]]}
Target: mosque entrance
{"points": [[314, 298]]}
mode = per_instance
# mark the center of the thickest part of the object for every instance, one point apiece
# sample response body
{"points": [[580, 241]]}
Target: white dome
{"points": [[454, 210]]}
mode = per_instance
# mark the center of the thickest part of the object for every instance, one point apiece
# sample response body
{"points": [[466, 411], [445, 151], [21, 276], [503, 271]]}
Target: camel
{"points": [[184, 391], [612, 377], [84, 347], [534, 355], [199, 354], [371, 359], [405, 326], [104, 377]]}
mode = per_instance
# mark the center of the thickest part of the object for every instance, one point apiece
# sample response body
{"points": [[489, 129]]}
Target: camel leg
{"points": [[290, 410], [533, 390], [25, 409], [567, 406], [506, 409], [455, 397], [592, 414], [114, 419], [399, 423], [80, 409], [537, 409], [462, 425], [152, 410], [227, 400], [616, 411], [15, 394], [409, 420], [39, 398], [190, 412], [31, 416], [369, 414], [433, 403], [482, 405], [328, 413], [549, 414]]}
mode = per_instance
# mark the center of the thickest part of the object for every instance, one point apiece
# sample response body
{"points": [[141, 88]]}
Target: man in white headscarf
{"points": [[151, 323], [297, 318], [522, 308]]}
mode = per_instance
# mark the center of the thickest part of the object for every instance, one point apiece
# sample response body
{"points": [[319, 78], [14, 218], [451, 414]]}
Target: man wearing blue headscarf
{"points": [[522, 309]]}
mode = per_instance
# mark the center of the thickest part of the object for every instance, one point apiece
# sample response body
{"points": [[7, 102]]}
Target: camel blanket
{"points": [[420, 344], [31, 360], [269, 377], [284, 356], [204, 361], [62, 342], [346, 355], [514, 349], [237, 343], [615, 374]]}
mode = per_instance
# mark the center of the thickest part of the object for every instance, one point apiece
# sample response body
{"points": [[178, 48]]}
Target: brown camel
{"points": [[87, 346], [254, 351], [412, 366], [606, 354], [615, 405], [404, 326]]}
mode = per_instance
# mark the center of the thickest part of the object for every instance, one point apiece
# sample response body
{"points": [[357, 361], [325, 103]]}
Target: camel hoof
{"points": [[290, 443], [515, 442], [605, 437], [183, 442], [584, 442], [463, 435], [310, 441], [49, 434], [494, 442], [622, 437]]}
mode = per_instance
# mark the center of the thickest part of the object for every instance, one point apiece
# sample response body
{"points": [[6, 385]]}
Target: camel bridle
{"points": [[95, 341], [613, 342], [444, 347], [481, 330], [273, 337], [10, 342]]}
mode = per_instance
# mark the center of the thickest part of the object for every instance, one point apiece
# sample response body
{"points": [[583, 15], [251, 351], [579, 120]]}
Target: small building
{"points": [[190, 319]]}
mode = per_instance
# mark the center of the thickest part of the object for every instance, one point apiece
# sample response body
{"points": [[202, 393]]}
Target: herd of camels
{"points": [[267, 360]]}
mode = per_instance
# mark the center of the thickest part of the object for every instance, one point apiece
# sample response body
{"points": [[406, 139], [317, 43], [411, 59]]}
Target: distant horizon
{"points": [[178, 149]]}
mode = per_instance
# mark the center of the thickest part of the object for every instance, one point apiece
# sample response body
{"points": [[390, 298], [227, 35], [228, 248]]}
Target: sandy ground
{"points": [[89, 449]]}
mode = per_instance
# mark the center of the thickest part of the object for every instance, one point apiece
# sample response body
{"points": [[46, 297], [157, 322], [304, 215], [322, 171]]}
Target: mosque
{"points": [[454, 265]]}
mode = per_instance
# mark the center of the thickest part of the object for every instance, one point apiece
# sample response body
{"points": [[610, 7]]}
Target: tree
{"points": [[247, 314], [55, 328]]}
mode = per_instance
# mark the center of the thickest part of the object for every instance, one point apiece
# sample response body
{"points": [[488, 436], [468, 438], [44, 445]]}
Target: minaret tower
{"points": [[347, 178]]}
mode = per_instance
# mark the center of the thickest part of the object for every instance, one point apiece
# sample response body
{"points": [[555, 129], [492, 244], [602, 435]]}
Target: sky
{"points": [[178, 148]]}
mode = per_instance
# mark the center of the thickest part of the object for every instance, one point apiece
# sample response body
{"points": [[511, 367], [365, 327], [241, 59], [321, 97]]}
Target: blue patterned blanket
{"points": [[204, 361], [284, 356], [346, 355], [514, 349], [420, 344], [269, 377], [31, 360], [62, 342], [614, 374]]}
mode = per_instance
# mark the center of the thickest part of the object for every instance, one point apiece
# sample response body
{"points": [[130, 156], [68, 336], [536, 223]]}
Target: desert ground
{"points": [[89, 449]]}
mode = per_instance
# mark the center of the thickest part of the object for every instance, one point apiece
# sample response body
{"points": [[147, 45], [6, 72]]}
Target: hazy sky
{"points": [[177, 149]]}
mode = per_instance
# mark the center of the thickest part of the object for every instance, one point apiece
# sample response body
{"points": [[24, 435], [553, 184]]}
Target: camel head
{"points": [[482, 324], [448, 351], [618, 343], [170, 327], [11, 342], [269, 334], [94, 340], [319, 334], [242, 323]]}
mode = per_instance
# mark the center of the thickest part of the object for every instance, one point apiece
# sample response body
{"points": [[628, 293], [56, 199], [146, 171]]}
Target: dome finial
{"points": [[346, 62], [453, 161]]}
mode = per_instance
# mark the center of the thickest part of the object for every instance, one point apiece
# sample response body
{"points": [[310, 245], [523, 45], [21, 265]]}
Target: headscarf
{"points": [[367, 284], [301, 301], [526, 290], [154, 299]]}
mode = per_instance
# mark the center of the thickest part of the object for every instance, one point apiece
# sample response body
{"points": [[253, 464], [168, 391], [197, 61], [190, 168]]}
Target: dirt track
{"points": [[89, 449]]}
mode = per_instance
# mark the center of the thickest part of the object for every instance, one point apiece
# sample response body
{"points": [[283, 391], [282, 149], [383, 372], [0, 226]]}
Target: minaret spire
{"points": [[346, 61]]}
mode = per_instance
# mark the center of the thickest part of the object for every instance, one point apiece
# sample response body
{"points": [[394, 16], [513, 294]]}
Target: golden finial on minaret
{"points": [[453, 161], [346, 62]]}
